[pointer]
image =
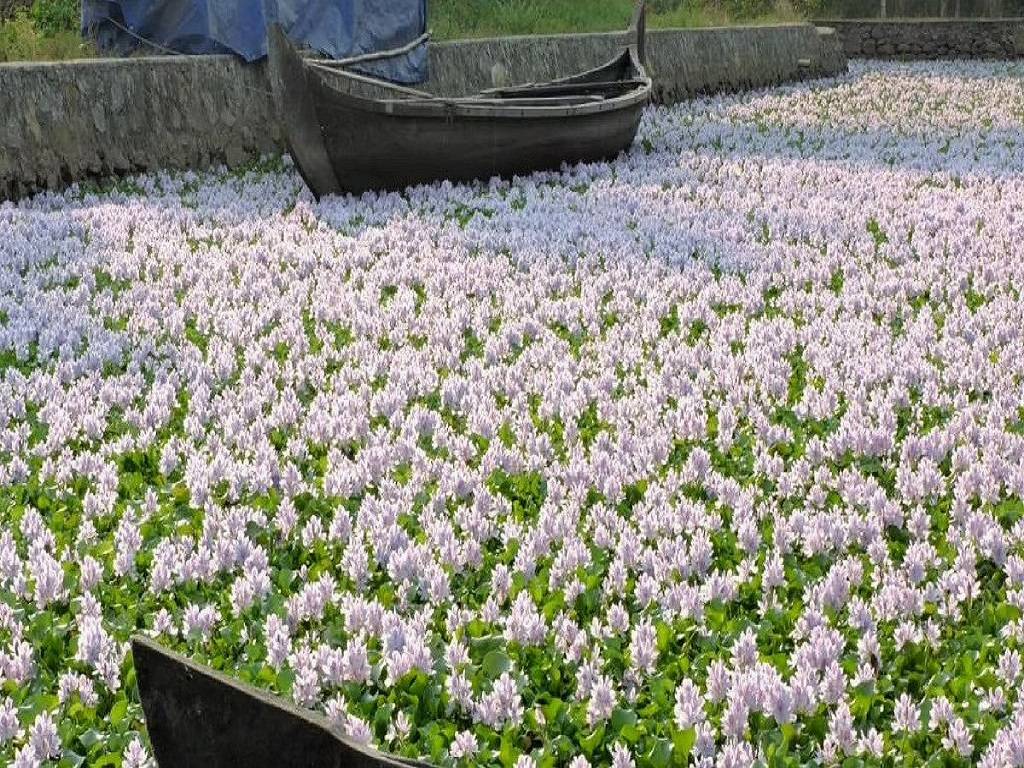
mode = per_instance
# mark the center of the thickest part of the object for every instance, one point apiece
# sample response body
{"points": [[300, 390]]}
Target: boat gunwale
{"points": [[442, 107]]}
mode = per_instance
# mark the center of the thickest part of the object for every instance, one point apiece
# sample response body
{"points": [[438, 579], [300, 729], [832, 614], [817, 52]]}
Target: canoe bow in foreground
{"points": [[200, 718], [351, 133]]}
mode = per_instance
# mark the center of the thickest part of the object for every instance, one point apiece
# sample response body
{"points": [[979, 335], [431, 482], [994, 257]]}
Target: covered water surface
{"points": [[711, 454]]}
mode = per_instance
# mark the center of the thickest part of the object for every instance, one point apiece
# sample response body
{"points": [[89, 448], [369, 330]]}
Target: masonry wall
{"points": [[682, 62], [931, 38], [66, 122], [71, 121]]}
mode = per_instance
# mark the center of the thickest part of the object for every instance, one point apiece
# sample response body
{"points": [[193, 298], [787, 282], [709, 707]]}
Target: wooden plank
{"points": [[566, 88], [476, 101]]}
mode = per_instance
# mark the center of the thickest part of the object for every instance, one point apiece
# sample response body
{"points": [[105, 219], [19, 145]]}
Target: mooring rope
{"points": [[142, 39], [334, 63], [173, 52]]}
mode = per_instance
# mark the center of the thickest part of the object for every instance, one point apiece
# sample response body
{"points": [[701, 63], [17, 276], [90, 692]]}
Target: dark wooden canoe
{"points": [[197, 717], [350, 133]]}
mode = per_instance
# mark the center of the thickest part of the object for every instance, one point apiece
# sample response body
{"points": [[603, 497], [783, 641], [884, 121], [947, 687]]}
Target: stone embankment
{"points": [[64, 122], [930, 38]]}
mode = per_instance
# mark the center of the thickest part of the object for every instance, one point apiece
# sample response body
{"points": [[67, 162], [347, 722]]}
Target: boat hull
{"points": [[351, 133], [372, 150], [196, 716]]}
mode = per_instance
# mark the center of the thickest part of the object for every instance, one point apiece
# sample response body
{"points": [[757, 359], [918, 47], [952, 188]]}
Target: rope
{"points": [[376, 55], [323, 63], [171, 51], [141, 39]]}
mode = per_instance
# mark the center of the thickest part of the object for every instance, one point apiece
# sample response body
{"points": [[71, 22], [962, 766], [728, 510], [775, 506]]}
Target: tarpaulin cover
{"points": [[336, 28]]}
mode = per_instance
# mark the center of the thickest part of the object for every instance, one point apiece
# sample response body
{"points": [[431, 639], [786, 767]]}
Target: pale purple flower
{"points": [[199, 621], [358, 730], [43, 738], [135, 755], [643, 648], [277, 639], [127, 542], [689, 707], [91, 572], [9, 725], [72, 684], [26, 757], [958, 738], [502, 705], [465, 745], [906, 716], [621, 756], [872, 743], [602, 700], [399, 728], [744, 650]]}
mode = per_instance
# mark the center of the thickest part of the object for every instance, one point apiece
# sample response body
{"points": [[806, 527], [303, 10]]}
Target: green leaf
{"points": [[682, 744], [664, 632], [552, 709], [788, 733], [661, 753], [508, 752], [622, 717], [285, 680], [487, 643], [591, 742], [495, 663], [437, 747], [631, 734], [118, 711], [90, 738]]}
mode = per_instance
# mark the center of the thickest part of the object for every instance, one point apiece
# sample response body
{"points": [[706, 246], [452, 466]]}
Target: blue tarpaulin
{"points": [[336, 28]]}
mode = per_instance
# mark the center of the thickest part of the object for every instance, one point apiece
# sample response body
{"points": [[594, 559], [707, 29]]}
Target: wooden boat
{"points": [[350, 133], [196, 716]]}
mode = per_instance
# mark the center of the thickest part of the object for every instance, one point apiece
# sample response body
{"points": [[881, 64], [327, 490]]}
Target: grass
{"points": [[22, 40], [452, 19]]}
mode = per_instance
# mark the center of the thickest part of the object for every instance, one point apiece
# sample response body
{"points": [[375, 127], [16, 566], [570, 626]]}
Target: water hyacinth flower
{"points": [[602, 700], [621, 757], [747, 396], [502, 705], [465, 745], [689, 708], [906, 716], [136, 756], [43, 738]]}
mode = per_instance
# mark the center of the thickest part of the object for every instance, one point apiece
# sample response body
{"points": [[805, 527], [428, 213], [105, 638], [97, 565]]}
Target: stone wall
{"points": [[931, 38], [682, 62], [71, 121]]}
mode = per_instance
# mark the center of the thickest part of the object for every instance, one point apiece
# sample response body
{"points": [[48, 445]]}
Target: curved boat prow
{"points": [[196, 716], [639, 29], [296, 113]]}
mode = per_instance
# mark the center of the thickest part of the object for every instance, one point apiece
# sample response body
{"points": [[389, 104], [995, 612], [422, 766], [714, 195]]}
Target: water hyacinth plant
{"points": [[712, 455]]}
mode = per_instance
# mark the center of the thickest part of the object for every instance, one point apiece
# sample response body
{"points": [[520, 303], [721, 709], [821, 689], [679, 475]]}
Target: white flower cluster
{"points": [[713, 453]]}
